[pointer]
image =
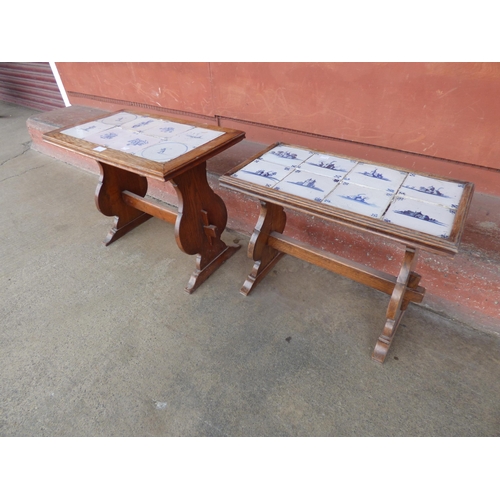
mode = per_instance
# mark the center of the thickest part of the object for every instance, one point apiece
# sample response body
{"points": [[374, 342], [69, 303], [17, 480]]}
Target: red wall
{"points": [[449, 111]]}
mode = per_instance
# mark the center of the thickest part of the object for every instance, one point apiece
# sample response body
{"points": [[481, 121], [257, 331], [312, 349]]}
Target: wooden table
{"points": [[131, 147], [420, 212]]}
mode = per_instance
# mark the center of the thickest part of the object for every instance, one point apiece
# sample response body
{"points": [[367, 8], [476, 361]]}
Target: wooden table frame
{"points": [[268, 244], [201, 216]]}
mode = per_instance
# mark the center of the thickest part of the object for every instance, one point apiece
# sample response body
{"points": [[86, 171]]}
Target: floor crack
{"points": [[27, 147]]}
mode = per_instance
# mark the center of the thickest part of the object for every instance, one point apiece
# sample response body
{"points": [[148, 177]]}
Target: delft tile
{"points": [[163, 151], [359, 199], [119, 118], [287, 156], [306, 185], [138, 142], [263, 173], [86, 129], [197, 136], [376, 177], [328, 165], [419, 215], [114, 138], [432, 190], [167, 129], [140, 124]]}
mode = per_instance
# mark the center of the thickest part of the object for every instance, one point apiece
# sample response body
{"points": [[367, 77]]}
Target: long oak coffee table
{"points": [[131, 147], [418, 211]]}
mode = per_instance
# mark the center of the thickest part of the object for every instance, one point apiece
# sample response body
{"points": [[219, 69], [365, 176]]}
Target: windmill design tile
{"points": [[197, 136], [287, 156], [306, 185], [163, 151], [359, 199], [419, 215], [377, 177], [118, 119], [263, 173], [86, 129], [432, 190], [328, 165], [167, 129]]}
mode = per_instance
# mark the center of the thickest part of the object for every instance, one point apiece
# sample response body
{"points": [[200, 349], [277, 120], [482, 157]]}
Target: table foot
{"points": [[272, 218], [121, 228], [407, 280], [201, 274], [201, 219]]}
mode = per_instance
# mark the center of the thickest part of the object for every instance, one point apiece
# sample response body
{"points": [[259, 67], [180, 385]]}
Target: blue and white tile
{"points": [[86, 129], [287, 156], [114, 138], [163, 151], [376, 176], [419, 215], [118, 119], [328, 165], [432, 190], [167, 129], [306, 185], [197, 137], [359, 199], [263, 173], [140, 124], [138, 143]]}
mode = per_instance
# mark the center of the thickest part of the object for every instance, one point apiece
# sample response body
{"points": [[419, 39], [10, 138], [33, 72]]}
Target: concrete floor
{"points": [[103, 341]]}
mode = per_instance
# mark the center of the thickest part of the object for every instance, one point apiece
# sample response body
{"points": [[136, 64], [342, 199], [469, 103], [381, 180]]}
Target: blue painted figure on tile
{"points": [[141, 124], [419, 215], [285, 154], [308, 183], [137, 142], [375, 175], [269, 174], [109, 135]]}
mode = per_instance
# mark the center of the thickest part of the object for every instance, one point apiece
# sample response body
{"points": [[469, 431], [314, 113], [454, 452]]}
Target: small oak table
{"points": [[418, 211], [131, 147]]}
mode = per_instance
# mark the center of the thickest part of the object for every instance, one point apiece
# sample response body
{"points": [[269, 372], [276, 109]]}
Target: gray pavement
{"points": [[103, 341]]}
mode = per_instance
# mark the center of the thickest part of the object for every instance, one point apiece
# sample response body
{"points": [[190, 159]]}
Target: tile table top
{"points": [[390, 195], [146, 143]]}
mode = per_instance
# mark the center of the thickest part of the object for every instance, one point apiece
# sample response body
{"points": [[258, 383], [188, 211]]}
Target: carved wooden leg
{"points": [[108, 199], [201, 219], [272, 218], [407, 279]]}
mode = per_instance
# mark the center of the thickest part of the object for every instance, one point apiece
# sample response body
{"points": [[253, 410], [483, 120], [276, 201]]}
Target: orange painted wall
{"points": [[441, 110]]}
